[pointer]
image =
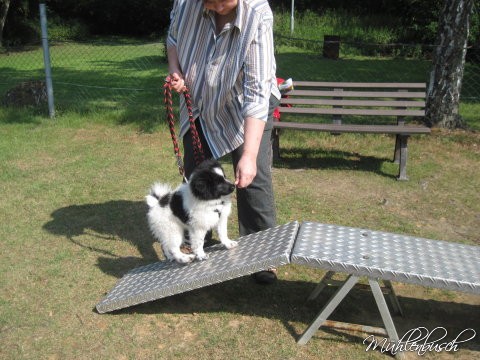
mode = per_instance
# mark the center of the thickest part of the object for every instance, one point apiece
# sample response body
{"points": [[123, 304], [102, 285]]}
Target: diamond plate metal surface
{"points": [[389, 256], [260, 251]]}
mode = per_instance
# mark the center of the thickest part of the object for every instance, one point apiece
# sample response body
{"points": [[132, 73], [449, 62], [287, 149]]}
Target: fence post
{"points": [[46, 60], [292, 18]]}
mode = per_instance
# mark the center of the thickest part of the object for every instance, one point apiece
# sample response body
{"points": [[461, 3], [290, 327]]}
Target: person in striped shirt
{"points": [[222, 51]]}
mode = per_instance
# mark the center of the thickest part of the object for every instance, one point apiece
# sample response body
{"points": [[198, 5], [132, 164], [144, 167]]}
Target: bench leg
{"points": [[402, 172], [328, 309], [337, 119], [276, 144], [396, 153]]}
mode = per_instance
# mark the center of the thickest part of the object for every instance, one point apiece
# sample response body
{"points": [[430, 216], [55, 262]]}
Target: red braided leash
{"points": [[197, 145]]}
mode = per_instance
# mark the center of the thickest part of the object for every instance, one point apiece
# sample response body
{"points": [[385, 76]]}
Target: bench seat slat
{"points": [[394, 103], [366, 129], [340, 111], [360, 85], [361, 94]]}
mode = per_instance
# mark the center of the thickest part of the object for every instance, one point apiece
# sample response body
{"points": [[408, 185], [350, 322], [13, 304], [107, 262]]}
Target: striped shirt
{"points": [[230, 75]]}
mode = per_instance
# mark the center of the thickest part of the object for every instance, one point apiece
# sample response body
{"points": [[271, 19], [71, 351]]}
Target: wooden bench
{"points": [[392, 102]]}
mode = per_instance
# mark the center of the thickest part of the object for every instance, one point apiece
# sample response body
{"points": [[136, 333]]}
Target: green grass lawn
{"points": [[73, 222]]}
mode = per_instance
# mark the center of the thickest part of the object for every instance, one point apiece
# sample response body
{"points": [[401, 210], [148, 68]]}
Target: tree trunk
{"points": [[443, 94], [4, 5]]}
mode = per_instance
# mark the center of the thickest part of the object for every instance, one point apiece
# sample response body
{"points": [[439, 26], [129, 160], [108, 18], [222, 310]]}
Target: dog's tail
{"points": [[158, 194]]}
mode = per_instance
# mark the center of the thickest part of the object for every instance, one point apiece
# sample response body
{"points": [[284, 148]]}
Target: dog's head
{"points": [[208, 181]]}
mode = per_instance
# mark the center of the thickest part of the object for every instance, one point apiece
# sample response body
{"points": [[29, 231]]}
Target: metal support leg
{"points": [[329, 308], [397, 309], [321, 285], [384, 312]]}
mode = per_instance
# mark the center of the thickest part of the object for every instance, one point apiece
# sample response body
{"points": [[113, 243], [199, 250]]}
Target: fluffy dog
{"points": [[201, 205]]}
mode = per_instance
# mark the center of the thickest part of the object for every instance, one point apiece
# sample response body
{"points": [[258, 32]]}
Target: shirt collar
{"points": [[240, 12], [237, 23]]}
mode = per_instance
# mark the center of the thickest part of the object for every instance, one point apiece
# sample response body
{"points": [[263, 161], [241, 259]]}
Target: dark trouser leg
{"points": [[255, 203]]}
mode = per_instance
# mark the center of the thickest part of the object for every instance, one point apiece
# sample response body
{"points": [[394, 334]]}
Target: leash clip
{"points": [[181, 168]]}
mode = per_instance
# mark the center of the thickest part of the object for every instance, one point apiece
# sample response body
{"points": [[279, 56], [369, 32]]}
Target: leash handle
{"points": [[198, 153]]}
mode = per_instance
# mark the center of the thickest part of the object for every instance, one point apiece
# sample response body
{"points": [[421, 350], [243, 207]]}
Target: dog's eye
{"points": [[200, 186]]}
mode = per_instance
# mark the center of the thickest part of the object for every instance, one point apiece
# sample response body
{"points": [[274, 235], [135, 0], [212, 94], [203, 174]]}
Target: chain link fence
{"points": [[127, 75], [333, 59]]}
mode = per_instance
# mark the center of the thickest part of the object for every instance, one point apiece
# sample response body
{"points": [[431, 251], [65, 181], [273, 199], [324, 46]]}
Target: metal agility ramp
{"points": [[263, 250], [379, 256]]}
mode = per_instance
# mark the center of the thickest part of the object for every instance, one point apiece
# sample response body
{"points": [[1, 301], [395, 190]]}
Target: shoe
{"points": [[265, 277]]}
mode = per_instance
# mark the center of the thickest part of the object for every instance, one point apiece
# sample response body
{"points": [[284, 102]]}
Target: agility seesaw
{"points": [[379, 256]]}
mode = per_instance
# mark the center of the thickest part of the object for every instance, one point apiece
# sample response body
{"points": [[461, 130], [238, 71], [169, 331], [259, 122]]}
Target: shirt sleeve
{"points": [[258, 67], [173, 28]]}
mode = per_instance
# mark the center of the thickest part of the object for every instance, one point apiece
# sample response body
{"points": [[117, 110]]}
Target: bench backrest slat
{"points": [[342, 111], [363, 129], [379, 103], [360, 94], [359, 85]]}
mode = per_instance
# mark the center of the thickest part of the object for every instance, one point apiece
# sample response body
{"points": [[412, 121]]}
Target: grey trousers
{"points": [[255, 203]]}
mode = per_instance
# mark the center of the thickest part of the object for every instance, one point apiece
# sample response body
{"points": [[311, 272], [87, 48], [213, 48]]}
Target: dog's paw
{"points": [[185, 258], [230, 244], [202, 256]]}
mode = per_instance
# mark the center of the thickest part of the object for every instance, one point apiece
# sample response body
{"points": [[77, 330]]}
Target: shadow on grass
{"points": [[286, 301], [22, 115], [298, 158], [109, 222]]}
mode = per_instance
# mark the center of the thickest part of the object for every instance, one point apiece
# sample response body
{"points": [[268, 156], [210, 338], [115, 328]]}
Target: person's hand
{"points": [[177, 82], [246, 171]]}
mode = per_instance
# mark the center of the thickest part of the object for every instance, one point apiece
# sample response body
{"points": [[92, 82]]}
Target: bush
{"points": [[112, 17], [21, 25], [22, 32], [62, 30]]}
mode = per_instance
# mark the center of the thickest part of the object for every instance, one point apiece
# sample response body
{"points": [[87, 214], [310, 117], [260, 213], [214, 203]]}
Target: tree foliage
{"points": [[119, 17], [21, 24], [4, 7], [144, 18], [419, 18], [103, 17]]}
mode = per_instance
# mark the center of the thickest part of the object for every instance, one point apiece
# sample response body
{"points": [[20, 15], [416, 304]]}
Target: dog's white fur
{"points": [[200, 216]]}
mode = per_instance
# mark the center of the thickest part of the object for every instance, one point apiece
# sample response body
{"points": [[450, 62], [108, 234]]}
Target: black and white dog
{"points": [[201, 205]]}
